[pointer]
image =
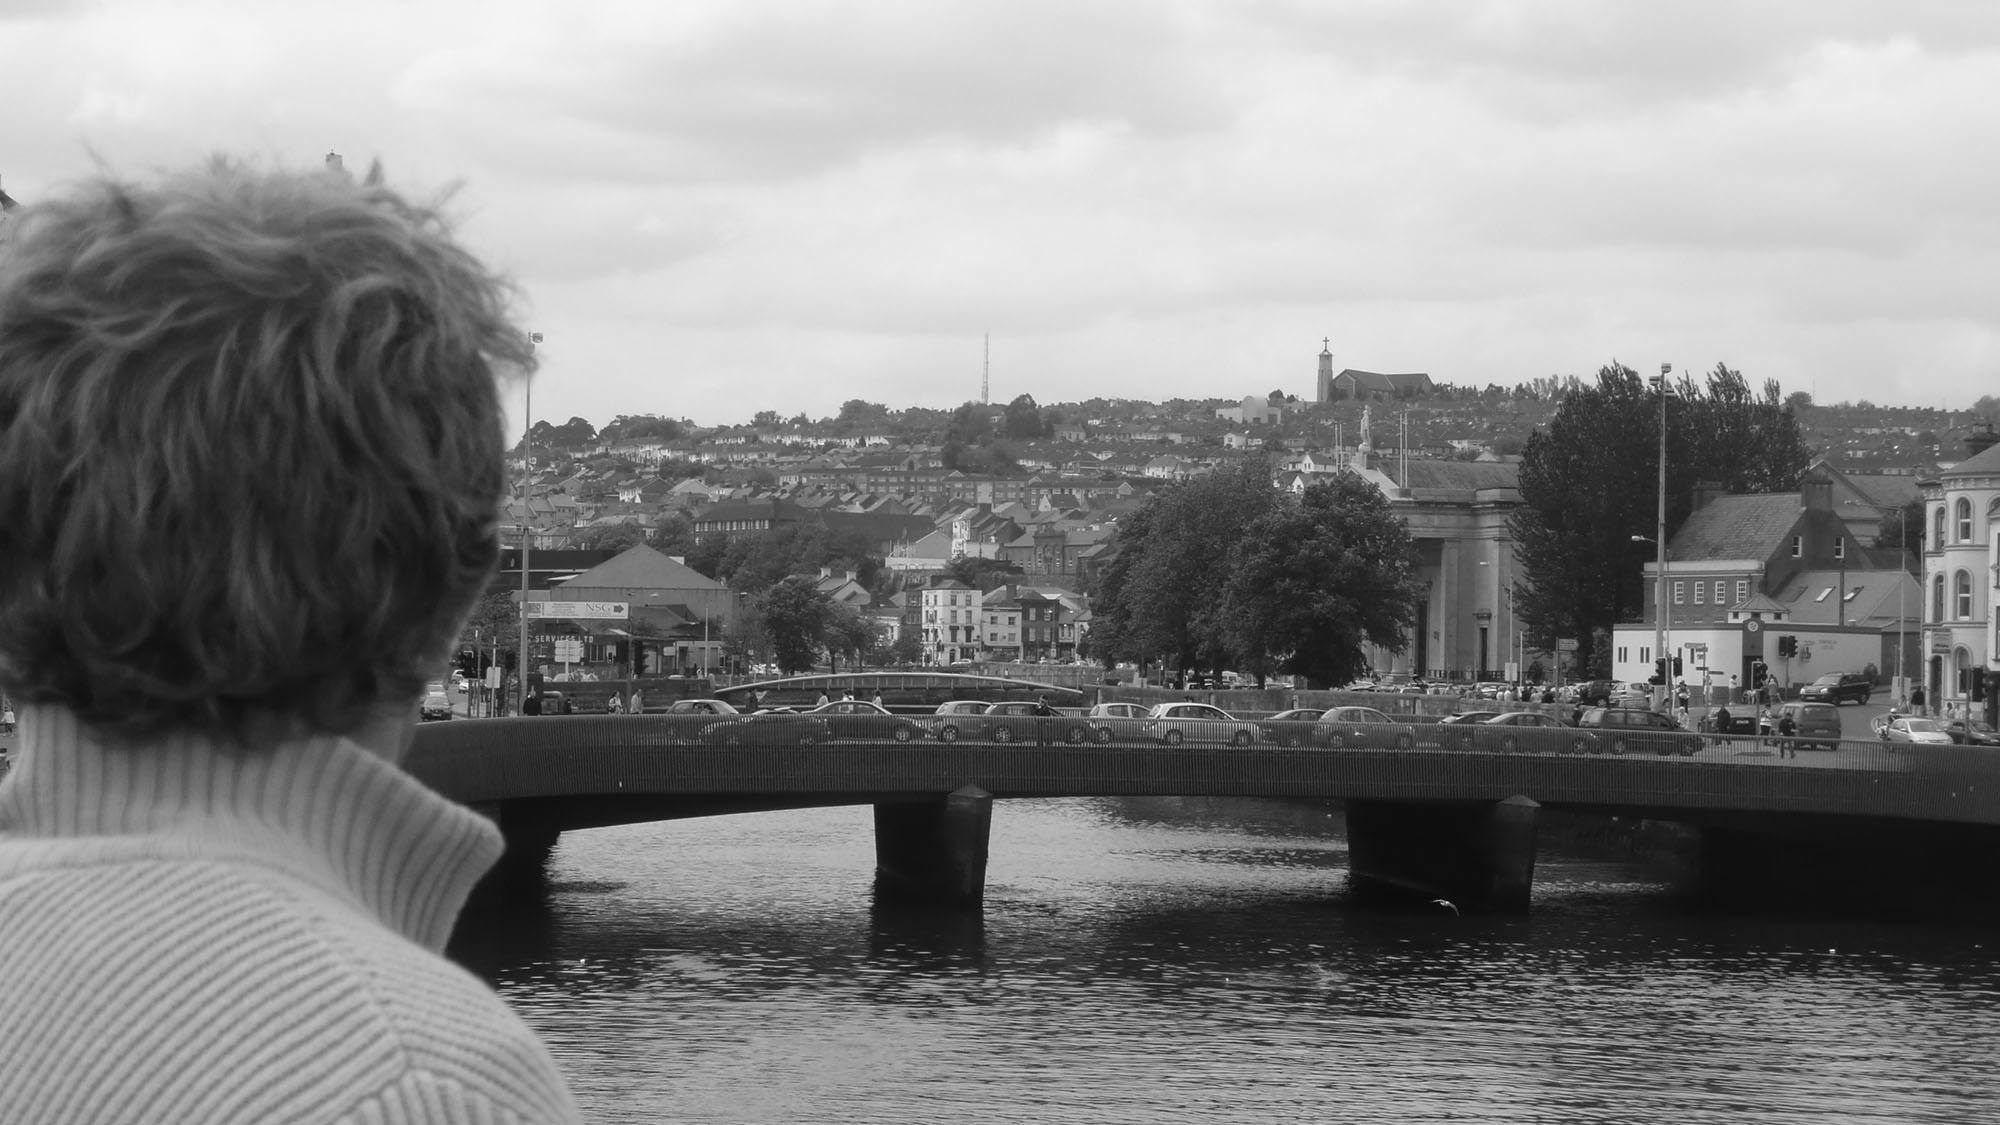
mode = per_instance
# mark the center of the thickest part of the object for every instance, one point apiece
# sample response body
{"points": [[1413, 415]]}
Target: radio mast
{"points": [[986, 370]]}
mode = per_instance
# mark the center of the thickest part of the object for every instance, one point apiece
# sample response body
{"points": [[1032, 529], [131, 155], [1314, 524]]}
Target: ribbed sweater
{"points": [[193, 934]]}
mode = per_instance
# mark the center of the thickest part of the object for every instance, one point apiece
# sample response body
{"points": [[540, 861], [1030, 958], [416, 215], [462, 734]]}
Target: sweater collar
{"points": [[322, 808]]}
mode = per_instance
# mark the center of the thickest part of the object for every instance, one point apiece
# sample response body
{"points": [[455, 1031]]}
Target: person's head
{"points": [[250, 449]]}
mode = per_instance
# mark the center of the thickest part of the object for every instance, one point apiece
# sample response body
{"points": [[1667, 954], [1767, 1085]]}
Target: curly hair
{"points": [[251, 455]]}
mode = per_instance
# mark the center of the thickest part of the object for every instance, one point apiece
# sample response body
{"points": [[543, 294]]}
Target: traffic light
{"points": [[1788, 645], [642, 660], [1659, 671], [1677, 667]]}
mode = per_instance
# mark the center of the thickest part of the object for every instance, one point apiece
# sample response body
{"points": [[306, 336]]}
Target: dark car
{"points": [[1454, 732], [1362, 727], [1622, 729], [1972, 732], [1293, 727], [1597, 692], [1834, 687], [437, 704], [1021, 720], [1534, 731], [860, 719]]}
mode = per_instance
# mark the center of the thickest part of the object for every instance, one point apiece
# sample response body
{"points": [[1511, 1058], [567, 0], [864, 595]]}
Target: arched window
{"points": [[1937, 532], [1937, 599], [1961, 600], [1964, 520]]}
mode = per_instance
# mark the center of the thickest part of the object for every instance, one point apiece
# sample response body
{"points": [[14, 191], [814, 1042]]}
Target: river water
{"points": [[1201, 961]]}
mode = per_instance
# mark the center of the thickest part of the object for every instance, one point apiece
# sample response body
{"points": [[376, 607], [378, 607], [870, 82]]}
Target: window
{"points": [[1742, 589], [1700, 588], [1937, 599], [1621, 654], [1964, 520], [1798, 546], [1823, 594], [1937, 532], [1645, 656], [1840, 546], [1962, 596], [1721, 591], [1680, 593]]}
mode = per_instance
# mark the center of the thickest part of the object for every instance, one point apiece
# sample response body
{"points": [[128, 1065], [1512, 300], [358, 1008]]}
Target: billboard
{"points": [[576, 611]]}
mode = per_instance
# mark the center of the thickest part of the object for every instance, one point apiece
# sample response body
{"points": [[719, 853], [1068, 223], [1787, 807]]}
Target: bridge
{"points": [[1457, 822]]}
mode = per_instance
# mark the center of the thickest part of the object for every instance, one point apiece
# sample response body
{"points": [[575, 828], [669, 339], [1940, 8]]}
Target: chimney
{"points": [[1705, 491], [1816, 493], [1981, 440], [335, 164]]}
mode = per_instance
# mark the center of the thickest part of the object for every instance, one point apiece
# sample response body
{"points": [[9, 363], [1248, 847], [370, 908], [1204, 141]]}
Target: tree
{"points": [[1315, 578], [1904, 528], [611, 537], [1023, 421], [1161, 596], [907, 649], [795, 617], [1589, 484]]}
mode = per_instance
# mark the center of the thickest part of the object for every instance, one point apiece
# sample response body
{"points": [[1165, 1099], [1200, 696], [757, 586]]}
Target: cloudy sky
{"points": [[715, 208]]}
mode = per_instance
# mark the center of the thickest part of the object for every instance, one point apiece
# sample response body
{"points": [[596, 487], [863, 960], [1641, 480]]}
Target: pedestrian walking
{"points": [[224, 898], [614, 705], [1787, 729]]}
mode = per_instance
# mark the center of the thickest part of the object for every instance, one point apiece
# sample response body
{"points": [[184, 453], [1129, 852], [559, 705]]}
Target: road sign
{"points": [[573, 611], [569, 650], [1565, 644]]}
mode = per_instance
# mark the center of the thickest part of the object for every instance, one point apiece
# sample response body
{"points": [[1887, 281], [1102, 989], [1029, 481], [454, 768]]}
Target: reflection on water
{"points": [[1170, 961]]}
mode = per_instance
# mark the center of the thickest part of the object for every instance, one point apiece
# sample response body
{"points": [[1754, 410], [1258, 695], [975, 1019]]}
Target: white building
{"points": [[1962, 578]]}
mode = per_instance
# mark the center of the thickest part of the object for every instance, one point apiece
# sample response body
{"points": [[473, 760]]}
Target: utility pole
{"points": [[527, 521], [1660, 562]]}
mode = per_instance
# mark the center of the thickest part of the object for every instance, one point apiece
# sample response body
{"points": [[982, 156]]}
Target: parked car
{"points": [[1022, 720], [1118, 711], [1814, 725], [1534, 731], [1291, 728], [700, 707], [1914, 729], [1454, 732], [1837, 686], [1175, 723], [1598, 692], [776, 726], [1624, 729], [1363, 727], [957, 717], [860, 719], [1972, 732]]}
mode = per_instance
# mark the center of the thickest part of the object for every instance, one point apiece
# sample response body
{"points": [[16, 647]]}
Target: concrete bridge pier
{"points": [[1478, 856], [933, 852], [523, 870]]}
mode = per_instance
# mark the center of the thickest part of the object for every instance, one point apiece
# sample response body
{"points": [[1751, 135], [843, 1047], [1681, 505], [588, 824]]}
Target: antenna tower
{"points": [[986, 370]]}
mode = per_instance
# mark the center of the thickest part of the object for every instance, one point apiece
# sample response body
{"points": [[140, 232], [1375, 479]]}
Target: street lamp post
{"points": [[1660, 562], [527, 514]]}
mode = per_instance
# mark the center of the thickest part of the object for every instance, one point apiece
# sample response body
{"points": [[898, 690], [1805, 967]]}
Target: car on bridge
{"points": [[860, 719], [1176, 723], [1021, 720], [1118, 722], [1625, 729], [1454, 731], [956, 717], [1913, 729], [1362, 727], [699, 707], [1293, 727], [1972, 732], [1533, 731], [776, 726]]}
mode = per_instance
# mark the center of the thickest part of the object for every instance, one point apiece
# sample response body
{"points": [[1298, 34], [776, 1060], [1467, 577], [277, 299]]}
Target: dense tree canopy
{"points": [[1589, 484], [795, 617], [1316, 578], [1227, 571]]}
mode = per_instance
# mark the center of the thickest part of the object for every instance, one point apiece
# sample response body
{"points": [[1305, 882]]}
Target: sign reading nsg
{"points": [[575, 611]]}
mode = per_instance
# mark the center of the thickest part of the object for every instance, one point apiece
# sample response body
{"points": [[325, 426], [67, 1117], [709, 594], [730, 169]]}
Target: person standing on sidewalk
{"points": [[251, 466]]}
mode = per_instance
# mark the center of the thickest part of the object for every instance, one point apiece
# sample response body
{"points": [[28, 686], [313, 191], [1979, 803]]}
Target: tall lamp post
{"points": [[1660, 545], [527, 514]]}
